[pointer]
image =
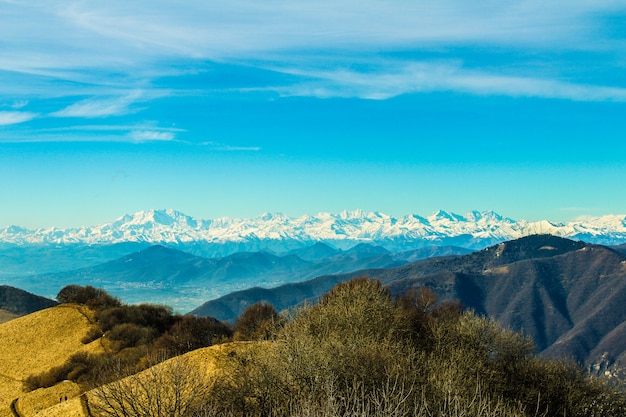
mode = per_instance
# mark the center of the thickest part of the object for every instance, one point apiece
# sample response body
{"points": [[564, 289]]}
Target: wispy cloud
{"points": [[232, 28], [123, 35], [151, 135], [146, 126], [100, 107], [15, 117], [115, 52], [19, 104], [229, 148], [413, 77], [137, 133], [149, 132]]}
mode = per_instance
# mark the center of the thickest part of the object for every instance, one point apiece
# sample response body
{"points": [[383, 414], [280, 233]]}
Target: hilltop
{"points": [[36, 342]]}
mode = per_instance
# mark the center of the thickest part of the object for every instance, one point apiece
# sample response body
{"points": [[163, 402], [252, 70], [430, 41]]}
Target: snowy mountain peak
{"points": [[14, 229], [474, 229], [166, 217], [442, 215]]}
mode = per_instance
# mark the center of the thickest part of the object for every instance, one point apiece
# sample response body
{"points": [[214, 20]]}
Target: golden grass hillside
{"points": [[212, 362], [37, 342], [32, 403]]}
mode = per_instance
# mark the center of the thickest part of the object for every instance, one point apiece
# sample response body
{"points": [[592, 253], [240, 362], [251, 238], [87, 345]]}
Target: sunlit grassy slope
{"points": [[34, 343], [211, 360]]}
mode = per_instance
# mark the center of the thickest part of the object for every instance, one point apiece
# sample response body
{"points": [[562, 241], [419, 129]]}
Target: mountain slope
{"points": [[620, 248], [17, 302], [230, 306], [569, 296]]}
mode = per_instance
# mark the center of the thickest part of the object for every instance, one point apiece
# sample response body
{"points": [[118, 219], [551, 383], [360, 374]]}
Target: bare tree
{"points": [[174, 388]]}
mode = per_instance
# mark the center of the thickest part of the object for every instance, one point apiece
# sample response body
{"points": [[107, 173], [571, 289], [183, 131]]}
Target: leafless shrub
{"points": [[175, 388]]}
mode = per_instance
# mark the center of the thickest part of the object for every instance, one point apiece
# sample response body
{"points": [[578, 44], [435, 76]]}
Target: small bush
{"points": [[190, 333], [127, 335], [75, 367], [158, 317], [258, 322], [95, 298], [45, 380]]}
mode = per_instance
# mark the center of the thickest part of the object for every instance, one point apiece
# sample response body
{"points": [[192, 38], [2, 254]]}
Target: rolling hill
{"points": [[35, 343], [569, 296], [212, 361], [39, 341]]}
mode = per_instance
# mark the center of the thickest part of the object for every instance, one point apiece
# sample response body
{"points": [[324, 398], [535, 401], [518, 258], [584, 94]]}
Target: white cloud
{"points": [[99, 107], [19, 104], [67, 48], [481, 83], [229, 148], [406, 78], [121, 34], [151, 135], [138, 133], [15, 117], [146, 126], [230, 28]]}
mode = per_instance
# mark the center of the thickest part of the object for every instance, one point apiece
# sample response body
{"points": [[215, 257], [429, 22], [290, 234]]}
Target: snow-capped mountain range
{"points": [[473, 229]]}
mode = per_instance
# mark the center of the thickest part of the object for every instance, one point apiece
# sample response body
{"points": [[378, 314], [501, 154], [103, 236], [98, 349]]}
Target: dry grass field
{"points": [[32, 403], [211, 361], [34, 343], [69, 408]]}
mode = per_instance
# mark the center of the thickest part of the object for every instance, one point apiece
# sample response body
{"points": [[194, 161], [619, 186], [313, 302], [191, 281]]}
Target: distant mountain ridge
{"points": [[20, 302], [283, 233], [159, 274]]}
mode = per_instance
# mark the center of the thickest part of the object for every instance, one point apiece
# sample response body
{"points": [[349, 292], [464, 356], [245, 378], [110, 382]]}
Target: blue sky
{"points": [[235, 108]]}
